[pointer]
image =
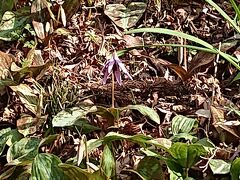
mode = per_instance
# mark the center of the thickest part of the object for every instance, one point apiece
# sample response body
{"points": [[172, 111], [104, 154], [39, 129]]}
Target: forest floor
{"points": [[54, 71]]}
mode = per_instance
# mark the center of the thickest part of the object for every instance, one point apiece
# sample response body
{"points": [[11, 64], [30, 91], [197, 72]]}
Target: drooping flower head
{"points": [[115, 66]]}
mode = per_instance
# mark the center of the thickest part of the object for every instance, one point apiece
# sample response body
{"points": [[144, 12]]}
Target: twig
{"points": [[113, 90]]}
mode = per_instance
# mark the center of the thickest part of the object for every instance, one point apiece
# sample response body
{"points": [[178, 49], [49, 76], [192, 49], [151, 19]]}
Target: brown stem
{"points": [[113, 90]]}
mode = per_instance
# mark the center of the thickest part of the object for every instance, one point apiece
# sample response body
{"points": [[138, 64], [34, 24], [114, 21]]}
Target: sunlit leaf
{"points": [[108, 163], [23, 150], [27, 97], [12, 24], [187, 155], [74, 116], [125, 17], [182, 124], [146, 111], [218, 166], [8, 137], [76, 173], [45, 166]]}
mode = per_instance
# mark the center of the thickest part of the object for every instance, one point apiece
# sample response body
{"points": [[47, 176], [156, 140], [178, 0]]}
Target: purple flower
{"points": [[115, 66]]}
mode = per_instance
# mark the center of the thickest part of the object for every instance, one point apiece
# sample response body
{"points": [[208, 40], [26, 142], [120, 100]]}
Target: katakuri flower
{"points": [[115, 66]]}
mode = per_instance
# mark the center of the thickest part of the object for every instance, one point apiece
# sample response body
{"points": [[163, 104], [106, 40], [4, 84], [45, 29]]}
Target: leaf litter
{"points": [[48, 76]]}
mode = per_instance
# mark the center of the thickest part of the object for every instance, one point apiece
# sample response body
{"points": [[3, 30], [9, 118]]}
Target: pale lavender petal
{"points": [[111, 63], [117, 74], [122, 67]]}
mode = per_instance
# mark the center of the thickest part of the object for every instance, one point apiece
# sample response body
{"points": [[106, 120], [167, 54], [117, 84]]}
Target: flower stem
{"points": [[113, 90]]}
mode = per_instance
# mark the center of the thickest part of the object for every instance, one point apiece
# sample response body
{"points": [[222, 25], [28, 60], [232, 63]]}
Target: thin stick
{"points": [[113, 90]]}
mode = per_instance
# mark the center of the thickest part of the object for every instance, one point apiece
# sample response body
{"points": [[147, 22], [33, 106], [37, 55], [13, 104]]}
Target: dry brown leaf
{"points": [[218, 122]]}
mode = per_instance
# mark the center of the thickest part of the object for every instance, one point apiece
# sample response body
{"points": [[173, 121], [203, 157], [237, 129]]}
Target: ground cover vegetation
{"points": [[119, 89]]}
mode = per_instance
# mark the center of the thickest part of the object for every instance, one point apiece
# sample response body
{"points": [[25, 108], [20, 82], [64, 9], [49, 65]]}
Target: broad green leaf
{"points": [[108, 163], [150, 168], [45, 166], [74, 116], [8, 137], [6, 6], [185, 154], [207, 144], [235, 169], [23, 150], [146, 111], [76, 173], [218, 166], [71, 7], [12, 24], [3, 139], [182, 124], [125, 17], [140, 139], [107, 113], [186, 136], [93, 144]]}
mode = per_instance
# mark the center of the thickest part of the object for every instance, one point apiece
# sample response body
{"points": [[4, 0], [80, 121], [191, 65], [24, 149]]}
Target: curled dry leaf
{"points": [[5, 62]]}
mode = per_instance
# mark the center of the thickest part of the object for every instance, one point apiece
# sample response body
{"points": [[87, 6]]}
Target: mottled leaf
{"points": [[218, 166], [146, 111], [23, 150], [45, 166], [125, 17]]}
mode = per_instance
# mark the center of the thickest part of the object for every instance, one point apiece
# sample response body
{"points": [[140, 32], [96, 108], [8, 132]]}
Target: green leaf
{"points": [[108, 163], [185, 136], [23, 150], [8, 137], [125, 17], [228, 57], [76, 173], [207, 144], [235, 26], [5, 6], [186, 155], [140, 139], [45, 166], [218, 166], [237, 77], [150, 168], [182, 124], [12, 24], [235, 169], [47, 140], [74, 116], [236, 8], [146, 111], [172, 33]]}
